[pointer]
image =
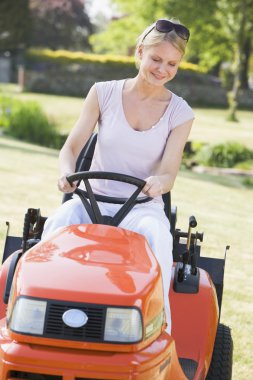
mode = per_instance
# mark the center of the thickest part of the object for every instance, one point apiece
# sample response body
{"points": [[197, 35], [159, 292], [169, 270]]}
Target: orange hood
{"points": [[90, 263]]}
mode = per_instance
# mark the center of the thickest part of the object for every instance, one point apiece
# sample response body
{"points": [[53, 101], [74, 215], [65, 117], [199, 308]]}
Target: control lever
{"points": [[187, 253], [186, 273], [192, 224]]}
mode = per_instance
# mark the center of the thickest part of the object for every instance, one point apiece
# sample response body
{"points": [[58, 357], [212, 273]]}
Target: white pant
{"points": [[147, 219]]}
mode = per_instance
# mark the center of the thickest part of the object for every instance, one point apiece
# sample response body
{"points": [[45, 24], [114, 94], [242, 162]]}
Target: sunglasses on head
{"points": [[166, 26]]}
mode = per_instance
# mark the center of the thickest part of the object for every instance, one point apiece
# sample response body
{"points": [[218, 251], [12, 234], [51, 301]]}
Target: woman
{"points": [[142, 131]]}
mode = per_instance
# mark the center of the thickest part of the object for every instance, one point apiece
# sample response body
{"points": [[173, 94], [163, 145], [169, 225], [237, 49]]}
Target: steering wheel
{"points": [[89, 199]]}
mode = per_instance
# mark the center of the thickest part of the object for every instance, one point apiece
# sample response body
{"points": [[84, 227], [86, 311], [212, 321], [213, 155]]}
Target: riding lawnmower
{"points": [[87, 302]]}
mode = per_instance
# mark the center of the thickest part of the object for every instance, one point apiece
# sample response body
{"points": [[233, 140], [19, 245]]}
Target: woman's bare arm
{"points": [[77, 138], [165, 176]]}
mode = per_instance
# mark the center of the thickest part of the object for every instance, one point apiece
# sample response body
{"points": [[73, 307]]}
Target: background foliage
{"points": [[220, 30], [60, 24], [223, 155], [27, 121], [15, 24], [44, 23]]}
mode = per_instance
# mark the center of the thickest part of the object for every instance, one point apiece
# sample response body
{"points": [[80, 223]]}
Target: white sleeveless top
{"points": [[122, 149]]}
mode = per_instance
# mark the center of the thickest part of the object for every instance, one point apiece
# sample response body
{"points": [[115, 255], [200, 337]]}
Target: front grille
{"points": [[93, 331], [32, 376], [35, 376]]}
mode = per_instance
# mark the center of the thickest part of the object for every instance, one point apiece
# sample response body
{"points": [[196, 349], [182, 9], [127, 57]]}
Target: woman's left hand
{"points": [[153, 187]]}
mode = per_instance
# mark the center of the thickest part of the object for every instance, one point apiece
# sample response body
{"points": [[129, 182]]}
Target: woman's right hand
{"points": [[64, 185]]}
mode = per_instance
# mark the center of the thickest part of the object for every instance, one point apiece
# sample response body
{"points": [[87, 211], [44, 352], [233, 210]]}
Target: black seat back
{"points": [[83, 162]]}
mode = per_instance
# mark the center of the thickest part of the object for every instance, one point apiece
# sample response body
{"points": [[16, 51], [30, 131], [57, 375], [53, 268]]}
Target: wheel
{"points": [[221, 363]]}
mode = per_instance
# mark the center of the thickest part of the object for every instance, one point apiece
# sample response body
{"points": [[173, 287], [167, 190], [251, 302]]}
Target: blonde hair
{"points": [[150, 37]]}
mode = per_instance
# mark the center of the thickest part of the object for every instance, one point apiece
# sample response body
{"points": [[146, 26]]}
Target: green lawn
{"points": [[210, 125], [222, 205], [64, 110]]}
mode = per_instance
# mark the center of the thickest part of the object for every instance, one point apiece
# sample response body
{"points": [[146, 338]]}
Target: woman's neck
{"points": [[145, 90]]}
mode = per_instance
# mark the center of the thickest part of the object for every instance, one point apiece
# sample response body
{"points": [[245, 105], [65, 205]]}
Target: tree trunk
{"points": [[232, 97], [241, 38], [244, 77]]}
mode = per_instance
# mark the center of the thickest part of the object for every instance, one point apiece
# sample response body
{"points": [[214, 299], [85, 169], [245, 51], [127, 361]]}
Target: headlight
{"points": [[123, 325], [28, 316]]}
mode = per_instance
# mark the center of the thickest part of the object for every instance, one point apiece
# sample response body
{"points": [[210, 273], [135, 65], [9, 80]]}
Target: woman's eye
{"points": [[156, 59]]}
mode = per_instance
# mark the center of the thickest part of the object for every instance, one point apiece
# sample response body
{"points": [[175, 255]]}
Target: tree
{"points": [[205, 29], [238, 22], [120, 35], [221, 32], [225, 29], [60, 24], [15, 23], [244, 74]]}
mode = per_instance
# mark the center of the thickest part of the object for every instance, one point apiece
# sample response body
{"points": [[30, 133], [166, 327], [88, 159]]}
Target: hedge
{"points": [[64, 57]]}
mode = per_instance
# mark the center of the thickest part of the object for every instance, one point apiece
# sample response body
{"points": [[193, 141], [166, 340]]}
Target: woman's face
{"points": [[159, 63]]}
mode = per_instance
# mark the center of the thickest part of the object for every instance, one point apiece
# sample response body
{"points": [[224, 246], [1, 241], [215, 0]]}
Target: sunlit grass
{"points": [[222, 205], [223, 209], [210, 125], [28, 179], [64, 110]]}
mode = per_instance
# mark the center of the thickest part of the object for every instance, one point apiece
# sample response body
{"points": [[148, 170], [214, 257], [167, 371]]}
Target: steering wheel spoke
{"points": [[93, 202], [89, 199], [127, 206], [86, 204]]}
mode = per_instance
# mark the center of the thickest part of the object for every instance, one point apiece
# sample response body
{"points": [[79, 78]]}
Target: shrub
{"points": [[224, 155], [68, 57], [6, 104], [245, 165], [190, 153], [65, 57], [248, 182], [28, 122]]}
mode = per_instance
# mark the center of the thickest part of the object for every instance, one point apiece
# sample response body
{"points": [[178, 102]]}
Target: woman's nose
{"points": [[162, 69]]}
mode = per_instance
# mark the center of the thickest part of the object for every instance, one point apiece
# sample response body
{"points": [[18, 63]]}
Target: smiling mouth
{"points": [[158, 76]]}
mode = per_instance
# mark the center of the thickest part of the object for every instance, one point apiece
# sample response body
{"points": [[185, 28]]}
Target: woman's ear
{"points": [[140, 51]]}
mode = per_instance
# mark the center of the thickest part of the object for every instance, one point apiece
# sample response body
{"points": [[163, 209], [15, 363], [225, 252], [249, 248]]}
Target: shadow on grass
{"points": [[30, 150], [231, 181]]}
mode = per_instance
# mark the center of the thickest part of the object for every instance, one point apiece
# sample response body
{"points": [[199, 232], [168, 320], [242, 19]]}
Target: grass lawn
{"points": [[210, 125], [64, 110], [222, 206]]}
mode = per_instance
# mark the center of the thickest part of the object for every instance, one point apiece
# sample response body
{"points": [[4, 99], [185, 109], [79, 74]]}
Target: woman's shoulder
{"points": [[180, 105], [179, 101], [180, 111], [107, 93], [106, 85]]}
